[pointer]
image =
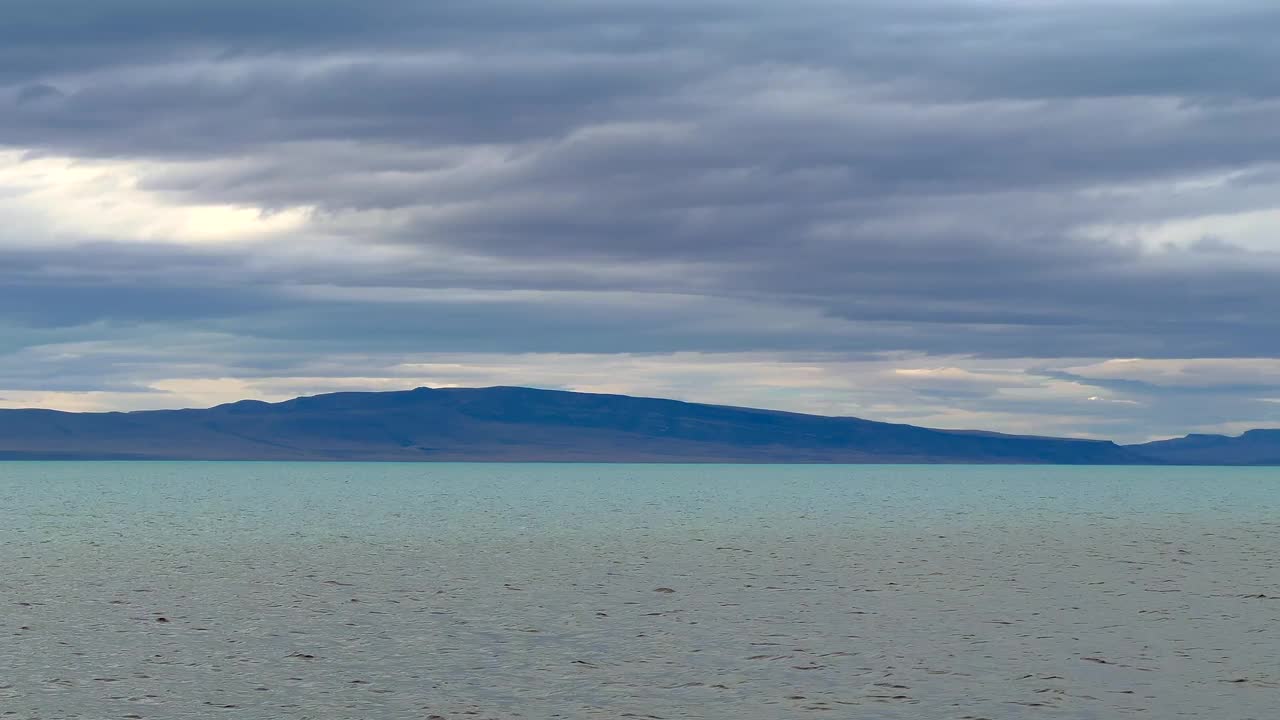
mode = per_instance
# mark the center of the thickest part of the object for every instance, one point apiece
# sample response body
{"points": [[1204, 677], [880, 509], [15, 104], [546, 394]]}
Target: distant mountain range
{"points": [[512, 424], [1256, 447]]}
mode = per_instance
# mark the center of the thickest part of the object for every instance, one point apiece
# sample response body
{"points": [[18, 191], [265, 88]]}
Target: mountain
{"points": [[1256, 447], [515, 424]]}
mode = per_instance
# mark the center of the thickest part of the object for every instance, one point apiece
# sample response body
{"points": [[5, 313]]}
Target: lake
{"points": [[371, 591]]}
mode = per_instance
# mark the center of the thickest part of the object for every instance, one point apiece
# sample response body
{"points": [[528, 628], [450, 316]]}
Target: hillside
{"points": [[514, 424], [1255, 447]]}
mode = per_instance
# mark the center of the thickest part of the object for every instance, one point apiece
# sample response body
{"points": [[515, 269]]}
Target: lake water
{"points": [[372, 591]]}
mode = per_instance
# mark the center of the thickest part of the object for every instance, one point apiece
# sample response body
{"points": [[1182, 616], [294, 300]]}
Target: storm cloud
{"points": [[951, 212]]}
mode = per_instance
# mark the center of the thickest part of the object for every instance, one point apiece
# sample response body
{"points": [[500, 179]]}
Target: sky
{"points": [[1032, 216]]}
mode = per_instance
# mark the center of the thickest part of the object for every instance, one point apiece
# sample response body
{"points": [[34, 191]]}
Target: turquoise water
{"points": [[532, 591]]}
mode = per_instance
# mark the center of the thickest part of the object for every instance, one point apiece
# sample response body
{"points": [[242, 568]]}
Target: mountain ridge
{"points": [[518, 424], [1260, 446]]}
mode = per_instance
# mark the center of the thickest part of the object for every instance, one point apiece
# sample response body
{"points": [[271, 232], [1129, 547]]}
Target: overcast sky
{"points": [[1048, 216]]}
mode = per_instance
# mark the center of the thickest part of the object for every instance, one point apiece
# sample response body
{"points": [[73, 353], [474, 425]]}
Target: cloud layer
{"points": [[960, 212]]}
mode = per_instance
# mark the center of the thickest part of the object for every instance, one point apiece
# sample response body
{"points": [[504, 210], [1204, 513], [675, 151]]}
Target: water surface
{"points": [[378, 591]]}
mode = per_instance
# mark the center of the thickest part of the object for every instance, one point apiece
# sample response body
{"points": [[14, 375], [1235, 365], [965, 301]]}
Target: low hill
{"points": [[516, 425], [1256, 447]]}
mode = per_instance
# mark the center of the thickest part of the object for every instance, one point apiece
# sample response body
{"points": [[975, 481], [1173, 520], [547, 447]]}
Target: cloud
{"points": [[57, 200], [1184, 374], [996, 189]]}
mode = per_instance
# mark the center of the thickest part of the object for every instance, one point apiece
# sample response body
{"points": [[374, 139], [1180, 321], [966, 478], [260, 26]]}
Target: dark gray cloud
{"points": [[949, 177]]}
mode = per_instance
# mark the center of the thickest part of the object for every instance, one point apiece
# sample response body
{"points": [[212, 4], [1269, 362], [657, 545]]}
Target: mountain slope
{"points": [[513, 424], [1256, 447]]}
